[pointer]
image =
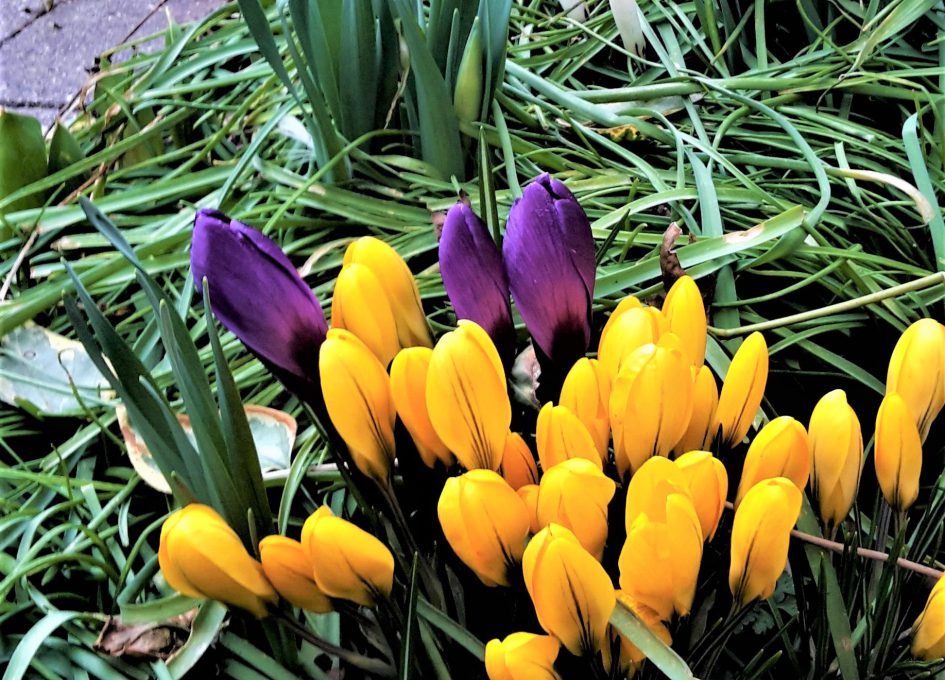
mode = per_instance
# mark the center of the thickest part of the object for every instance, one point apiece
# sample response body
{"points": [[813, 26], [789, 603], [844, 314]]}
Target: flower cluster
{"points": [[639, 436]]}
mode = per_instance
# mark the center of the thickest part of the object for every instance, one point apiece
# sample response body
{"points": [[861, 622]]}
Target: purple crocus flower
{"points": [[474, 278], [549, 258], [259, 296]]}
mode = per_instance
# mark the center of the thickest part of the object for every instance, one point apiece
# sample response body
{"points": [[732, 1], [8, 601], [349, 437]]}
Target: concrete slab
{"points": [[15, 14]]}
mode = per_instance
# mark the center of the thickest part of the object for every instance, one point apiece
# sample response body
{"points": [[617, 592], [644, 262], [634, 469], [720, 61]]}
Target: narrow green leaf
{"points": [[656, 651]]}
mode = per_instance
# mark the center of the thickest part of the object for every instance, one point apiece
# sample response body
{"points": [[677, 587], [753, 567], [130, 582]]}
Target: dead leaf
{"points": [[148, 641], [669, 262]]}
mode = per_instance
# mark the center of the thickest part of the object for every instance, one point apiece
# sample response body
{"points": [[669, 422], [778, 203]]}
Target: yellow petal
{"points": [[359, 304], [518, 463], [649, 487], [529, 494], [560, 435], [917, 371], [743, 389], [836, 444], [522, 656], [707, 481], [586, 393], [928, 633], [575, 494], [700, 433], [685, 316], [288, 568], [897, 452], [625, 332], [780, 449], [408, 385]]}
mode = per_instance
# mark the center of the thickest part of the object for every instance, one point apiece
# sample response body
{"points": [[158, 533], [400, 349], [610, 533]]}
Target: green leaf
{"points": [[206, 626], [22, 159], [920, 172], [409, 633], [460, 635], [656, 651], [160, 609], [33, 640]]}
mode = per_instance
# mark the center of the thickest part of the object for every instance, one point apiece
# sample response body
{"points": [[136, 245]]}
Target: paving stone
{"points": [[15, 14]]}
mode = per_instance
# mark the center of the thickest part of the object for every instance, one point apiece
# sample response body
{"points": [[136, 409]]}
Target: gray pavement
{"points": [[49, 47]]}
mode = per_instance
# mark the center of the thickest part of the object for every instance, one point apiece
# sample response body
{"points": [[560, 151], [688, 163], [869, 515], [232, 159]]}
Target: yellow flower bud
{"points": [[359, 304], [560, 435], [630, 326], [631, 658], [928, 631], [685, 316], [357, 396], [288, 568], [917, 371], [836, 450], [761, 533], [586, 393], [572, 594], [659, 563], [467, 398], [649, 487], [202, 557], [518, 463], [650, 403], [400, 289], [780, 449], [575, 494], [529, 494], [485, 522], [897, 452], [742, 390], [700, 434], [707, 481], [522, 656], [408, 385], [348, 562]]}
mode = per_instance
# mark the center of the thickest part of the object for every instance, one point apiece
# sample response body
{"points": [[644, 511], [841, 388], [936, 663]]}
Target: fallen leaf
{"points": [[150, 641]]}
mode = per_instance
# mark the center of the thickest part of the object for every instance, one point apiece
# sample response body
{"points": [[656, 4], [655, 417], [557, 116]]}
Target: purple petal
{"points": [[474, 278], [549, 257], [258, 295]]}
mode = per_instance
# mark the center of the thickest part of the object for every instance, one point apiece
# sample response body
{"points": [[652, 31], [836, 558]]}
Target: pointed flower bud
{"points": [[780, 449], [575, 494], [649, 487], [518, 463], [572, 594], [560, 435], [897, 452], [629, 327], [408, 386], [258, 295], [467, 94], [522, 656], [743, 389], [550, 261], [467, 397], [358, 399], [700, 434], [380, 290], [917, 371], [685, 316], [202, 557], [836, 447], [761, 533], [288, 568], [586, 393], [348, 562], [928, 632], [485, 522], [707, 481], [475, 279], [650, 403]]}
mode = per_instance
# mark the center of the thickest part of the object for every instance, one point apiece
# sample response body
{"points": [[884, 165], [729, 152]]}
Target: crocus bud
{"points": [[836, 448], [761, 533], [360, 305], [467, 94], [631, 658], [781, 449], [649, 487], [485, 522], [475, 279], [628, 328], [707, 481], [289, 570], [258, 295], [408, 386], [358, 399], [928, 631], [348, 562], [522, 656], [400, 289], [650, 403], [202, 557], [743, 388], [897, 452], [659, 563], [467, 399], [586, 393], [529, 494], [560, 435], [685, 316], [572, 594], [917, 371], [549, 257], [575, 494], [518, 463], [702, 424]]}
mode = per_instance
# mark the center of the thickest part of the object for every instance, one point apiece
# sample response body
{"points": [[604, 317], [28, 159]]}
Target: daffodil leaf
{"points": [[656, 651]]}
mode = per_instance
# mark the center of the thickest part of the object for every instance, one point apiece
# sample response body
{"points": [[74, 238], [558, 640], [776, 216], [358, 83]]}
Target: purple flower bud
{"points": [[259, 296], [474, 278], [549, 258]]}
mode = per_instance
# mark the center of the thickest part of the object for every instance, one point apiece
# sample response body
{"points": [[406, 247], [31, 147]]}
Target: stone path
{"points": [[49, 47]]}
